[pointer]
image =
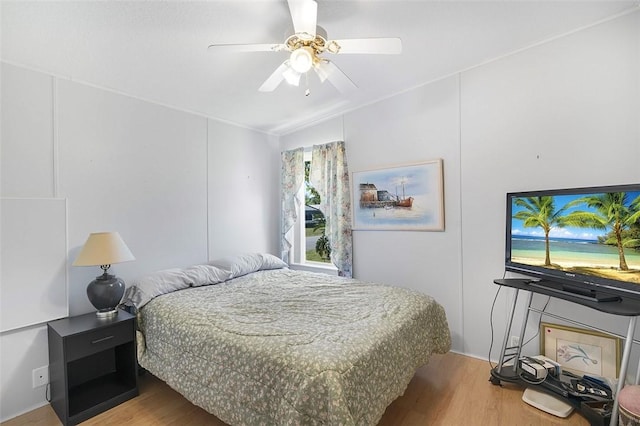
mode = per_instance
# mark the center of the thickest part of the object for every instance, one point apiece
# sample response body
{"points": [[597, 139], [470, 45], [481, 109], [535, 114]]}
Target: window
{"points": [[331, 178], [310, 245], [316, 243]]}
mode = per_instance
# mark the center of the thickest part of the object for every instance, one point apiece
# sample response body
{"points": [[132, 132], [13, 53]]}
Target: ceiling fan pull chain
{"points": [[307, 92]]}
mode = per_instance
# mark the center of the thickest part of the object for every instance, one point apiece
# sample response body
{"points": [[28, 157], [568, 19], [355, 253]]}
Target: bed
{"points": [[255, 343]]}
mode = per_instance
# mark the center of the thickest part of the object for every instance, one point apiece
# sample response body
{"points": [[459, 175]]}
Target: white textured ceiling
{"points": [[157, 51]]}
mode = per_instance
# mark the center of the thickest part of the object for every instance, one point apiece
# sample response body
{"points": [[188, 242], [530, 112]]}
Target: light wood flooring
{"points": [[451, 390]]}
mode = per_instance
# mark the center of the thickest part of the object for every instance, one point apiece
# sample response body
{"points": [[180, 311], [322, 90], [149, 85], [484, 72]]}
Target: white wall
{"points": [[245, 167], [180, 189], [561, 114], [416, 126], [27, 134], [132, 167], [324, 132]]}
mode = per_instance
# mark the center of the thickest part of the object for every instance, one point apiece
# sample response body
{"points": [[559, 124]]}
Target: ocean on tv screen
{"points": [[572, 255]]}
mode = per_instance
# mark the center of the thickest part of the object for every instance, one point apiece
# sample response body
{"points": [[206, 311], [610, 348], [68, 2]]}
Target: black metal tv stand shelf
{"points": [[603, 302]]}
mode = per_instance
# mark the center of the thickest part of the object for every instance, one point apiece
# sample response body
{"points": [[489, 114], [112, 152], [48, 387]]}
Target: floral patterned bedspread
{"points": [[290, 347]]}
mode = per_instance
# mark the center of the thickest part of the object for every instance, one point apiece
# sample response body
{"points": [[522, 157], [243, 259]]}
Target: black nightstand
{"points": [[92, 364]]}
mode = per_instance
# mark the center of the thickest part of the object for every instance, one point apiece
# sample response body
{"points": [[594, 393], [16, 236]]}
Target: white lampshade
{"points": [[292, 76], [301, 59], [103, 248]]}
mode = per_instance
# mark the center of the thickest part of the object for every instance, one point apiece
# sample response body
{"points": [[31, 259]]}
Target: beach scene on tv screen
{"points": [[592, 234]]}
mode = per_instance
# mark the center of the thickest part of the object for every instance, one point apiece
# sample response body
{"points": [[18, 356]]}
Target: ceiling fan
{"points": [[306, 47]]}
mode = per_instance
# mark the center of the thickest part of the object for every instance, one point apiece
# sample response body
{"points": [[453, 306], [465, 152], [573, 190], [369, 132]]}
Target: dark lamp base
{"points": [[105, 293]]}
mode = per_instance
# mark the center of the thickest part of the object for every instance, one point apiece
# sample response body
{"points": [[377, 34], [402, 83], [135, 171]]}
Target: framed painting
{"points": [[402, 198], [581, 351]]}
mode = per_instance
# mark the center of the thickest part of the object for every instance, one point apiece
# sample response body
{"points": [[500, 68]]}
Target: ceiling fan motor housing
{"points": [[305, 50]]}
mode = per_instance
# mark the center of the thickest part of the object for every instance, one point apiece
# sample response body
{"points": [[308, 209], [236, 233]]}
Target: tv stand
{"points": [[591, 295], [620, 306]]}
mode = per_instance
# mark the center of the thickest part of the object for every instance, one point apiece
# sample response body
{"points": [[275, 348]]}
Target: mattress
{"points": [[290, 347]]}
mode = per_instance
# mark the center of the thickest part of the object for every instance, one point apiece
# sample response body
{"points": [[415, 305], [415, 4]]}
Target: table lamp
{"points": [[104, 249]]}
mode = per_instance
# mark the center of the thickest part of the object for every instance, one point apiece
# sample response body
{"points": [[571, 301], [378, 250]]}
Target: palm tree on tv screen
{"points": [[614, 212], [540, 212]]}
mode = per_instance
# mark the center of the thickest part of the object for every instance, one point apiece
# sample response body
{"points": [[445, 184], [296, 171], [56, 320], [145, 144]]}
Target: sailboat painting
{"points": [[401, 198]]}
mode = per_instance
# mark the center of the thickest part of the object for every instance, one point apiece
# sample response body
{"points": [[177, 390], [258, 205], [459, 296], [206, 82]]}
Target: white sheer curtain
{"points": [[330, 177], [292, 177]]}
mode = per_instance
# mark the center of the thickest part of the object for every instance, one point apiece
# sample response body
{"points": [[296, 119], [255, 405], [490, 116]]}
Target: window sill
{"points": [[323, 268]]}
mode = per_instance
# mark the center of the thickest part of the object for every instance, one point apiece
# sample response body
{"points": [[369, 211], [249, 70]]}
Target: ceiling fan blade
{"points": [[387, 46], [238, 48], [274, 79], [304, 14], [327, 70]]}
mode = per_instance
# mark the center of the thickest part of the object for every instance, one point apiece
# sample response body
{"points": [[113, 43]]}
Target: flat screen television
{"points": [[584, 241]]}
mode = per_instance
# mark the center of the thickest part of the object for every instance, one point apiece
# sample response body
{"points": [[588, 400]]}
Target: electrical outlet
{"points": [[514, 341], [40, 376]]}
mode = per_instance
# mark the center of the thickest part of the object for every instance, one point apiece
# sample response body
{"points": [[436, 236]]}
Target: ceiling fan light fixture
{"points": [[301, 59], [292, 76], [323, 70]]}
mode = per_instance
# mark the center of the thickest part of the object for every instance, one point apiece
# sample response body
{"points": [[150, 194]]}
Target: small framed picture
{"points": [[581, 351], [401, 198]]}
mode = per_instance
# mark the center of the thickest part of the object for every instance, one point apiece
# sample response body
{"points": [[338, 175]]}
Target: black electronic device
{"points": [[584, 242], [569, 385]]}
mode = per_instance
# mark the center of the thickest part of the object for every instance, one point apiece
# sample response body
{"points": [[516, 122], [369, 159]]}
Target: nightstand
{"points": [[92, 364]]}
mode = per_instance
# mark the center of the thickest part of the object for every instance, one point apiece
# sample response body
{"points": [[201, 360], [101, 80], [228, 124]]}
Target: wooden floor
{"points": [[451, 390]]}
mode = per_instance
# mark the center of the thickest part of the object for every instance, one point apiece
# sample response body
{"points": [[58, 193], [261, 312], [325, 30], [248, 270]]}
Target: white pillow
{"points": [[206, 274], [148, 287], [244, 264], [269, 261]]}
